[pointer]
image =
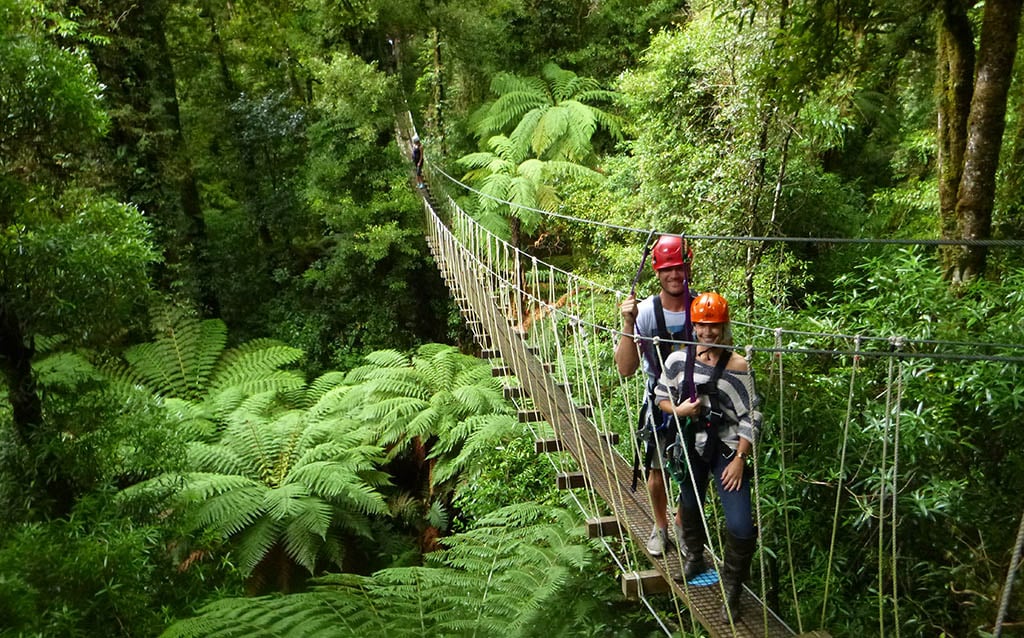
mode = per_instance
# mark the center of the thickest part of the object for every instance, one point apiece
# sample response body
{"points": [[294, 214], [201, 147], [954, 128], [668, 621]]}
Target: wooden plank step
{"points": [[611, 438], [530, 416], [541, 446], [604, 526], [650, 581], [570, 480], [506, 371], [514, 392]]}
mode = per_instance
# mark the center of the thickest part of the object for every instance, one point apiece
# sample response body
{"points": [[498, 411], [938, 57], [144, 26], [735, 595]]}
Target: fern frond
{"points": [[158, 366], [63, 369], [180, 361], [424, 423], [306, 531], [401, 382], [478, 160], [552, 126], [501, 579], [285, 502], [438, 370], [430, 349], [215, 459], [473, 435], [508, 152], [387, 359], [255, 359], [256, 541], [323, 384], [394, 409], [225, 511]]}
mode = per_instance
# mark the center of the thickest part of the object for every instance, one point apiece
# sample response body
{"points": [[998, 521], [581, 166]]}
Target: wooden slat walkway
{"points": [[608, 474]]}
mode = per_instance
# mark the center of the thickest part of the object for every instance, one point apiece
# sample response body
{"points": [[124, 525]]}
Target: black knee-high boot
{"points": [[739, 552], [694, 539]]}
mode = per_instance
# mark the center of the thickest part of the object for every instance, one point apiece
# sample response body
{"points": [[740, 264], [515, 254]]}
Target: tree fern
{"points": [[282, 477], [188, 361], [522, 563], [429, 396], [554, 116]]}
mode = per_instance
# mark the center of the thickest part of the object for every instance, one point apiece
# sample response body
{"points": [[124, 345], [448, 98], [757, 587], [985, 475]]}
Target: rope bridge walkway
{"points": [[551, 333], [566, 406]]}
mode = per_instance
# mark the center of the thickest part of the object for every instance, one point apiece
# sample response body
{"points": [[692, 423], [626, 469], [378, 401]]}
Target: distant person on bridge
{"points": [[722, 426], [662, 315], [417, 159]]}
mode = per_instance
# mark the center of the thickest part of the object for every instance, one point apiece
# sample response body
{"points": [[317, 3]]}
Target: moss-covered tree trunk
{"points": [[955, 86], [971, 121]]}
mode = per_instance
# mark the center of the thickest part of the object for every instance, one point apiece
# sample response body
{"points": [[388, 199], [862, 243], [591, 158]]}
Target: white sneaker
{"points": [[658, 541]]}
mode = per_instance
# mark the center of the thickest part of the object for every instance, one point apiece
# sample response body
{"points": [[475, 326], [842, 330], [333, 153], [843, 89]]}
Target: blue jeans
{"points": [[739, 520]]}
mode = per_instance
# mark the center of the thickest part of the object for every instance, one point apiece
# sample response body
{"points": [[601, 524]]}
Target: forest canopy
{"points": [[236, 386]]}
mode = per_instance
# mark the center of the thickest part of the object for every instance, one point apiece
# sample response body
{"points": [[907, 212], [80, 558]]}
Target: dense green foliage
{"points": [[231, 171], [509, 576]]}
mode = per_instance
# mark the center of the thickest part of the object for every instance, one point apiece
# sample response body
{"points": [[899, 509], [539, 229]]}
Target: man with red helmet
{"points": [[722, 426], [663, 316]]}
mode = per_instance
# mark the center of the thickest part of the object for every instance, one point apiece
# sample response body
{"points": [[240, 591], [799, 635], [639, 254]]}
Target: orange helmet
{"points": [[667, 252], [709, 307]]}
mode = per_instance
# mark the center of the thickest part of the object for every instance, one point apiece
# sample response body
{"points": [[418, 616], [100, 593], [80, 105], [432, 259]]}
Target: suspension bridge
{"points": [[539, 325]]}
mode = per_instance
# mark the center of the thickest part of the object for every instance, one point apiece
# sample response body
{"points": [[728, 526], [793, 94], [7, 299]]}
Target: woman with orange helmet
{"points": [[722, 425]]}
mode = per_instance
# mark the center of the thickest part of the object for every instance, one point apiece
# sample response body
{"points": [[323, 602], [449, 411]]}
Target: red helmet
{"points": [[667, 252], [709, 307]]}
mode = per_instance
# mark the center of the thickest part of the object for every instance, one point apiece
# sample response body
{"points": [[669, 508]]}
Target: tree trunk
{"points": [[955, 87], [971, 121], [439, 92], [155, 171], [985, 127], [44, 469]]}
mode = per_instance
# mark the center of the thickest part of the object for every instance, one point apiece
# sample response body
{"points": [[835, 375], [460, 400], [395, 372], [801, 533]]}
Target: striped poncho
{"points": [[738, 399]]}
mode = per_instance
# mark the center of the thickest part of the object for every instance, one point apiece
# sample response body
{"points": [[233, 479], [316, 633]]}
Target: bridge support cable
{"points": [[1015, 562], [476, 276], [785, 482], [841, 475], [893, 407]]}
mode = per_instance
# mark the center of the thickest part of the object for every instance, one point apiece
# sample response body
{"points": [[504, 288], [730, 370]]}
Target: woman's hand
{"points": [[687, 408], [732, 475]]}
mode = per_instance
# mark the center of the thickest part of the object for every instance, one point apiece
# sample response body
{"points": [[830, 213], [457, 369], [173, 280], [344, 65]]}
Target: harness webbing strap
{"points": [[714, 418], [691, 351]]}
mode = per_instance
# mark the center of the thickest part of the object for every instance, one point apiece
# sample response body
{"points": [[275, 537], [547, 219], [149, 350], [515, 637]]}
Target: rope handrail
{"points": [[910, 342], [991, 243]]}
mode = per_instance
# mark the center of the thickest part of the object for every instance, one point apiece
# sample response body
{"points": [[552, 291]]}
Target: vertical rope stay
{"points": [[895, 491], [1004, 598], [887, 423], [667, 480], [756, 498], [784, 481], [839, 483], [597, 401]]}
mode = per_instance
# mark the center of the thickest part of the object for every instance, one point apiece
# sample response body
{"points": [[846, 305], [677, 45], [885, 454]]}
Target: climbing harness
{"points": [[706, 425]]}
